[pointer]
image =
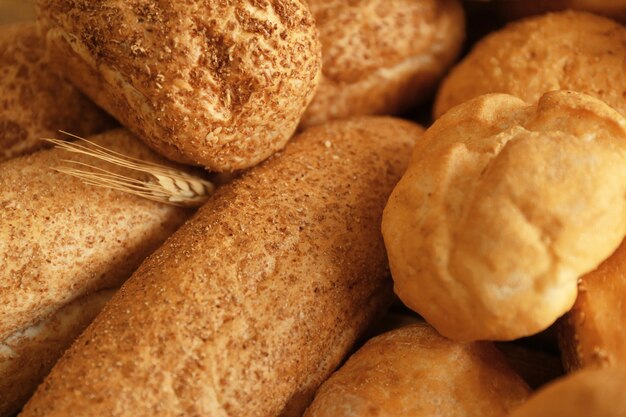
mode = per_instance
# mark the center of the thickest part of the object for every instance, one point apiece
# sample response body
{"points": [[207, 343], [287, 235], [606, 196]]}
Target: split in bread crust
{"points": [[503, 207], [217, 83]]}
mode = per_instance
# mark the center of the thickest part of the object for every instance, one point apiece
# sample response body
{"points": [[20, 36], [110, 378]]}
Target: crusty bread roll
{"points": [[27, 355], [514, 9], [415, 372], [381, 56], [503, 207], [34, 101], [592, 333], [558, 51], [61, 239], [255, 300], [588, 393], [217, 83]]}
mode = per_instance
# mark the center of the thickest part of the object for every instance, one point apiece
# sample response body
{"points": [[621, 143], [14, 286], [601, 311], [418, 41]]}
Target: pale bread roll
{"points": [[34, 101], [415, 372], [514, 9], [558, 51], [588, 393], [382, 56], [27, 355], [503, 207], [592, 333], [255, 300], [216, 83], [61, 239]]}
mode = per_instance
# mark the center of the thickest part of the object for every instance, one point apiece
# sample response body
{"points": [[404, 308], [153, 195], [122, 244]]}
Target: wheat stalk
{"points": [[164, 184]]}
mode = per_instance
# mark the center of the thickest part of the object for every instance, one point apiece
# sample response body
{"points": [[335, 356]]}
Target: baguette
{"points": [[503, 207], [215, 83], [592, 332], [381, 56], [558, 51], [413, 371], [34, 101], [255, 300], [27, 355]]}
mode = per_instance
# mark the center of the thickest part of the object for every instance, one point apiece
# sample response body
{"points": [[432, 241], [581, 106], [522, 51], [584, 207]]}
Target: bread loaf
{"points": [[27, 355], [254, 301], [558, 51], [415, 372], [381, 56], [216, 83], [588, 393], [34, 101], [61, 239], [592, 333], [503, 207], [514, 9]]}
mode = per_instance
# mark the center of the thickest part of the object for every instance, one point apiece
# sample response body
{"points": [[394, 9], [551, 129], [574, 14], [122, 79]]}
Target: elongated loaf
{"points": [[415, 372], [588, 393], [592, 332], [382, 56], [61, 239], [27, 355], [216, 83], [34, 101], [558, 51], [254, 301], [503, 207]]}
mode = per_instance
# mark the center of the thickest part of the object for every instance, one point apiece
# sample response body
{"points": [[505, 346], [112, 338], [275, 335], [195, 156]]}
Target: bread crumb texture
{"points": [[217, 83], [504, 206], [34, 101], [558, 51]]}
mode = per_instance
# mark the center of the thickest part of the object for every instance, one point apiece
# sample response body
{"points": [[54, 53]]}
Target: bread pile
{"points": [[276, 296]]}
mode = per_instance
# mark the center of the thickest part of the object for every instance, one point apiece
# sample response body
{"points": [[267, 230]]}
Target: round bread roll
{"points": [[592, 333], [253, 302], [588, 393], [381, 56], [27, 355], [559, 51], [514, 9], [503, 207], [216, 83], [34, 101], [415, 372], [61, 239]]}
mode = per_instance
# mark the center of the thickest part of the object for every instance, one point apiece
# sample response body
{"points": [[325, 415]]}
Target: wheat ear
{"points": [[164, 184]]}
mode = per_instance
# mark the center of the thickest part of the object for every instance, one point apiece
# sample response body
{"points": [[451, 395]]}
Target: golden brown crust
{"points": [[592, 333], [27, 356], [218, 83], [558, 51], [514, 9], [61, 239], [503, 207], [34, 101], [415, 372], [256, 299], [588, 393], [381, 56]]}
